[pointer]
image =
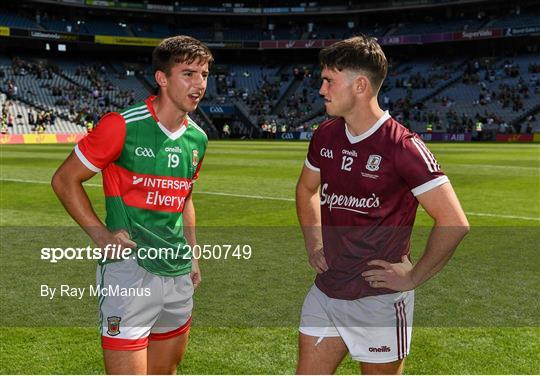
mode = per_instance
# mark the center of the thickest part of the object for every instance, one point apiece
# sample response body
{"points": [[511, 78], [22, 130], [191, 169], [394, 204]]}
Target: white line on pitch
{"points": [[246, 196], [276, 199]]}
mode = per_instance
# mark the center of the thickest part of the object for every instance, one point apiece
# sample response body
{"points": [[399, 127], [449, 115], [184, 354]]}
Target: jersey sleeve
{"points": [[314, 153], [104, 144], [417, 166], [199, 165], [202, 149]]}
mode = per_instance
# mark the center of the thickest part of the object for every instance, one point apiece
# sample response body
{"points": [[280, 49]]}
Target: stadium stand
{"points": [[431, 25], [63, 25], [21, 118], [150, 30], [515, 20], [497, 92], [15, 20], [104, 27], [292, 29]]}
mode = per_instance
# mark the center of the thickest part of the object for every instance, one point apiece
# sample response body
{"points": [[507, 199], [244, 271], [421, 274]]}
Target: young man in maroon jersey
{"points": [[150, 155], [372, 173]]}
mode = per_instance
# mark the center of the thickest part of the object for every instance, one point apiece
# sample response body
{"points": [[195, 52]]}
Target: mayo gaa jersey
{"points": [[148, 172], [369, 185]]}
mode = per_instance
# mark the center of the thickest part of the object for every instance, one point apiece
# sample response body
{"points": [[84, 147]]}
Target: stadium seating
{"points": [[106, 28], [522, 20], [64, 26], [20, 111], [15, 20], [416, 92], [150, 30], [437, 26], [242, 34], [484, 97], [289, 30]]}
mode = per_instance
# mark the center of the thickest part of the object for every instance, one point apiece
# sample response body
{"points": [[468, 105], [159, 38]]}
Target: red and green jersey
{"points": [[148, 173]]}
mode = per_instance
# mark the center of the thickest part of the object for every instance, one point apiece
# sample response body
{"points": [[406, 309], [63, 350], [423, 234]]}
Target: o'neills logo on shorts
{"points": [[350, 203], [380, 349]]}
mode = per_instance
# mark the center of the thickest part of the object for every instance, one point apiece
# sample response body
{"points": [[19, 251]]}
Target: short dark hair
{"points": [[357, 53], [179, 49]]}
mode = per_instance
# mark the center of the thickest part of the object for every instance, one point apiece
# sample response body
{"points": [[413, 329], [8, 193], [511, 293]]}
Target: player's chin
{"points": [[191, 107], [329, 110]]}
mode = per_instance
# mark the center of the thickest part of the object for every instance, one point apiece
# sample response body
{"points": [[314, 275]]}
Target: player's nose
{"points": [[200, 82]]}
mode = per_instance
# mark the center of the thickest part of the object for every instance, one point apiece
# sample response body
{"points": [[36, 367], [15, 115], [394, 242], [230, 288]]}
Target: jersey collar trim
{"points": [[369, 132], [172, 135]]}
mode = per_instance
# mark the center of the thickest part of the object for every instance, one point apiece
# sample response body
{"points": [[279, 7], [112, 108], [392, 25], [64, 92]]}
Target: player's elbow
{"points": [[465, 227], [461, 227], [457, 224], [299, 187], [302, 191], [463, 224], [56, 184], [59, 183]]}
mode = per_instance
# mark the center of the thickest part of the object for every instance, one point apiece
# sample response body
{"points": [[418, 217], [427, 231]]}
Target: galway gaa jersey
{"points": [[148, 173], [369, 185]]}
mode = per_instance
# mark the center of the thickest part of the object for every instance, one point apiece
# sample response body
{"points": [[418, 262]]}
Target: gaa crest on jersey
{"points": [[195, 158], [144, 152], [113, 325], [373, 162]]}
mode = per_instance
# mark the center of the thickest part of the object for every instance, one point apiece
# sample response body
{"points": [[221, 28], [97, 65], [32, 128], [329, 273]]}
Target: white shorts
{"points": [[137, 306], [376, 329]]}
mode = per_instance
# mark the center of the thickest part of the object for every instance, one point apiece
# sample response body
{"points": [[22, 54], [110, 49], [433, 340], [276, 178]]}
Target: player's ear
{"points": [[161, 78], [361, 84]]}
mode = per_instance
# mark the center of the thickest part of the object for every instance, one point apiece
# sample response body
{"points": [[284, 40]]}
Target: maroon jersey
{"points": [[368, 204]]}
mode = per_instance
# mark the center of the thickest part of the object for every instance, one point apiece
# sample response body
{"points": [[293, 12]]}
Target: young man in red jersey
{"points": [[150, 155], [372, 173]]}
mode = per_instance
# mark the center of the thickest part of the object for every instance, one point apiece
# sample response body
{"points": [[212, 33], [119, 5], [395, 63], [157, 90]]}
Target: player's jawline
{"points": [[275, 199]]}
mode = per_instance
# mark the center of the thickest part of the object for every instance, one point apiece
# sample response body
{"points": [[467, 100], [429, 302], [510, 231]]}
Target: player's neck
{"points": [[168, 115], [362, 118]]}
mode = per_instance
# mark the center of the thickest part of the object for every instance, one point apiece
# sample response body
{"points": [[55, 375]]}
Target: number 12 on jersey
{"points": [[346, 163]]}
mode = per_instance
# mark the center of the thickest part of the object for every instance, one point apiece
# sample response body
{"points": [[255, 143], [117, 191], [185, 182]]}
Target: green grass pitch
{"points": [[478, 316]]}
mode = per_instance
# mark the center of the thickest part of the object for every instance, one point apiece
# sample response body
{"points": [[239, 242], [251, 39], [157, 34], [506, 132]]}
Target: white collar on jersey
{"points": [[369, 132], [172, 135]]}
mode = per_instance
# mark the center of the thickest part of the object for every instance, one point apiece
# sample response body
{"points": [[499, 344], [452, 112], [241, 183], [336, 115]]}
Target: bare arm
{"points": [[308, 210], [450, 227], [67, 184], [189, 221]]}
